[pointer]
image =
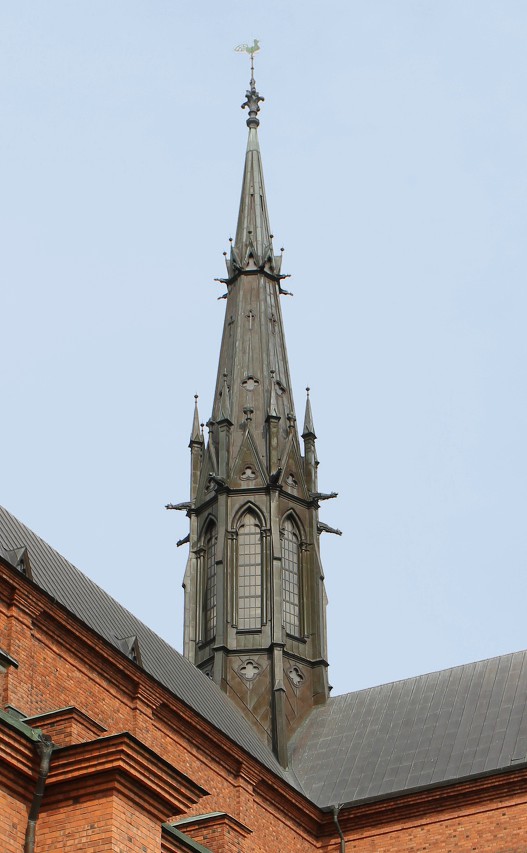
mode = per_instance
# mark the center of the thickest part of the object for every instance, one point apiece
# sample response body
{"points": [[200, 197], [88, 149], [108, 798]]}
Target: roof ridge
{"points": [[426, 674]]}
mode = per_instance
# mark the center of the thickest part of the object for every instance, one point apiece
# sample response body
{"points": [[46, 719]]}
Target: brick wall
{"points": [[112, 792], [13, 821], [64, 664]]}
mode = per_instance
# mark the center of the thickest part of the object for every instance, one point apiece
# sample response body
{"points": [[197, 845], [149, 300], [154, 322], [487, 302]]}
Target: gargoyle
{"points": [[325, 528]]}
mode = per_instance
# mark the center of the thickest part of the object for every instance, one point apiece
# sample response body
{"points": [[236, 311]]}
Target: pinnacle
{"points": [[309, 428], [196, 435], [225, 405]]}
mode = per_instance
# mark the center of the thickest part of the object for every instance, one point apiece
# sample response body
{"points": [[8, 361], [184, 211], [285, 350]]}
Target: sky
{"points": [[393, 138]]}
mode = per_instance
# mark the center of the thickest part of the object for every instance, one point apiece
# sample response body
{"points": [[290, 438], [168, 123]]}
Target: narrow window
{"points": [[290, 578], [249, 574], [210, 583]]}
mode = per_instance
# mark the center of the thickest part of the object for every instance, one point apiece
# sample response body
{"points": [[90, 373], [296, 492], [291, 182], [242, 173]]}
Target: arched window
{"points": [[291, 577], [249, 574], [210, 584]]}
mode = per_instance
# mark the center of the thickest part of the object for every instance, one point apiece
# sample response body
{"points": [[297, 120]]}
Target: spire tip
{"points": [[195, 434], [252, 96]]}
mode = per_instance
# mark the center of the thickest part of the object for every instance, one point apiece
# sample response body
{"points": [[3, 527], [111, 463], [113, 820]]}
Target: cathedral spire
{"points": [[254, 589]]}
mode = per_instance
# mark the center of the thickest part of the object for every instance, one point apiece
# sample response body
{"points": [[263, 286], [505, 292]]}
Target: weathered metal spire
{"points": [[254, 589]]}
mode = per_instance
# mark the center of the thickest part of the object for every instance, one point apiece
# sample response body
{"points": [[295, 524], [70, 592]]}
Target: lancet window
{"points": [[291, 577], [210, 594], [249, 573]]}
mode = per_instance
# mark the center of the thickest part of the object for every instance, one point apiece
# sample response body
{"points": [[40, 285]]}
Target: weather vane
{"points": [[253, 98], [251, 50]]}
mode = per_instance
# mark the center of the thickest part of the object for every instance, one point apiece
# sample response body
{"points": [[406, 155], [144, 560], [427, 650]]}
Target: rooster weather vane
{"points": [[250, 49]]}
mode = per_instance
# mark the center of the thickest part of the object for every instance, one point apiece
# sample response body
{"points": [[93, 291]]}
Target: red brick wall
{"points": [[475, 820], [84, 825], [62, 663], [13, 822]]}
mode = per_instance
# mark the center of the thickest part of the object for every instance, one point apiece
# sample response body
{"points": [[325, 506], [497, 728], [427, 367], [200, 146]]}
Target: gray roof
{"points": [[82, 597], [422, 731], [371, 743]]}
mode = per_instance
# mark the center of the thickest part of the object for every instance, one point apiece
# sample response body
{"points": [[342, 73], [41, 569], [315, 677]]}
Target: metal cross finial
{"points": [[253, 97]]}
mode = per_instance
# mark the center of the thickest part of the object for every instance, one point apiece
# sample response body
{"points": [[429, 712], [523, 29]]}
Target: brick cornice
{"points": [[213, 819], [17, 758], [67, 715], [146, 692], [120, 763], [483, 793], [7, 589]]}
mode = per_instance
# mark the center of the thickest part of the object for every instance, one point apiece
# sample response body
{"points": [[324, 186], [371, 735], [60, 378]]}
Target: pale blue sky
{"points": [[394, 139]]}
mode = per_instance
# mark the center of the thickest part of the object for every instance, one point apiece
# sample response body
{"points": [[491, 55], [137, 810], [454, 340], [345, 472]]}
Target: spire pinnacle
{"points": [[225, 408], [309, 428], [273, 406], [196, 432]]}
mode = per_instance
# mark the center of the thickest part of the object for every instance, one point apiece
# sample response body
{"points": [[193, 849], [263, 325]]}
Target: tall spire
{"points": [[254, 589]]}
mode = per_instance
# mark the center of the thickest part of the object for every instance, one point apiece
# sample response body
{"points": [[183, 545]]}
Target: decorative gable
{"points": [[206, 485], [292, 478], [247, 470]]}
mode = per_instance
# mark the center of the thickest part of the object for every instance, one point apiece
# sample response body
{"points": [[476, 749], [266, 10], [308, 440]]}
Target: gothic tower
{"points": [[254, 588]]}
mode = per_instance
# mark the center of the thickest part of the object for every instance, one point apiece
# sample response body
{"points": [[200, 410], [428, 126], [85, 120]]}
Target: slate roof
{"points": [[82, 597], [422, 731], [372, 743]]}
